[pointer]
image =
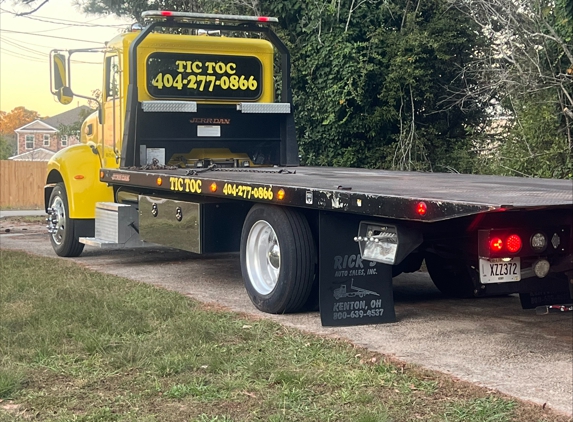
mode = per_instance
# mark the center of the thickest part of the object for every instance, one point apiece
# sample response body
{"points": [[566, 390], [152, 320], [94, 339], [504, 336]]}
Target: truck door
{"points": [[112, 109]]}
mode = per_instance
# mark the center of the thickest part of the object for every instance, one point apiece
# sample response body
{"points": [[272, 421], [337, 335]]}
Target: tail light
{"points": [[499, 244], [513, 243]]}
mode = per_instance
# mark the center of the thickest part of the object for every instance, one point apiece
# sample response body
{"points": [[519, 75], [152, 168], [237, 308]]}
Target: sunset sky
{"points": [[25, 43]]}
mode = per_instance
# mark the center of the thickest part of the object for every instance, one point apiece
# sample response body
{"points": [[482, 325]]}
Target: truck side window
{"points": [[112, 76]]}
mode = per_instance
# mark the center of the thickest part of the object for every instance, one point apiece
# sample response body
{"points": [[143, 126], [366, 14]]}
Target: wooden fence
{"points": [[22, 184]]}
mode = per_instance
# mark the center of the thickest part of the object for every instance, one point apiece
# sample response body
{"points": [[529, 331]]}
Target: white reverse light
{"points": [[538, 242]]}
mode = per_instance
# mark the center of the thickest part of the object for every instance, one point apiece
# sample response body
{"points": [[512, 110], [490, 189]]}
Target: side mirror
{"points": [[60, 79]]}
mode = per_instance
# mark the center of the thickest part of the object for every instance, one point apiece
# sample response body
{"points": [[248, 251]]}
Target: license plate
{"points": [[498, 270]]}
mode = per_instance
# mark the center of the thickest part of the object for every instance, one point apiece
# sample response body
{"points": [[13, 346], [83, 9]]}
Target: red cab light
{"points": [[421, 208], [166, 13], [496, 244], [513, 243], [263, 19]]}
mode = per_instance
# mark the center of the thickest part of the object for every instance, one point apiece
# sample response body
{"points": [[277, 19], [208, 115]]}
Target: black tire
{"points": [[64, 238], [277, 280], [452, 277]]}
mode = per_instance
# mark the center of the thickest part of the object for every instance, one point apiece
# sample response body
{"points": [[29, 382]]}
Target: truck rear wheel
{"points": [[277, 258], [452, 277], [63, 235]]}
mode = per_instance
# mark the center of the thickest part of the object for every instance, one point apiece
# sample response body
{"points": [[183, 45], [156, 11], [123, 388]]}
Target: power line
{"points": [[21, 56], [15, 44], [48, 36], [58, 21], [41, 54]]}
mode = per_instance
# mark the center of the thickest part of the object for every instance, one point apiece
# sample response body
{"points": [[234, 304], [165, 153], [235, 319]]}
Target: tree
{"points": [[9, 122], [369, 79], [18, 117], [526, 75]]}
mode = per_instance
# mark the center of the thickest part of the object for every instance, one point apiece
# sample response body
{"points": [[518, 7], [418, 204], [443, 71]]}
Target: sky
{"points": [[25, 44]]}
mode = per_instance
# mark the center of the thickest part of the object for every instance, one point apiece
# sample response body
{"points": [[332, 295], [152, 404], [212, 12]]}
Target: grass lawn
{"points": [[76, 345]]}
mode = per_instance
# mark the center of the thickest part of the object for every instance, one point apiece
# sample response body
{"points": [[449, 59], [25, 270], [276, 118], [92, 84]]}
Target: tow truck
{"points": [[193, 147]]}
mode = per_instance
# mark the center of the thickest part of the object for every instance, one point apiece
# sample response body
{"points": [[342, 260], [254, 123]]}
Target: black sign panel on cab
{"points": [[204, 76], [352, 291]]}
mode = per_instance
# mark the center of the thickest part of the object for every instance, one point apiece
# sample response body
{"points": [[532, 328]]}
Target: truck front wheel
{"points": [[63, 230], [277, 258]]}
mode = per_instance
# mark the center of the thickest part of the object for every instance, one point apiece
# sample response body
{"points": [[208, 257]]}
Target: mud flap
{"points": [[352, 291]]}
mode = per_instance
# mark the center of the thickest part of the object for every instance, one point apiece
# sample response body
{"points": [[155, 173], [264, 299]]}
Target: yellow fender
{"points": [[78, 167]]}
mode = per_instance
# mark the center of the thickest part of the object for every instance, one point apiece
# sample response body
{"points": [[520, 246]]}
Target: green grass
{"points": [[76, 345]]}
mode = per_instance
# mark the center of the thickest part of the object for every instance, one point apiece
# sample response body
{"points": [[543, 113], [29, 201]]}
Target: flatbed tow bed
{"points": [[381, 193]]}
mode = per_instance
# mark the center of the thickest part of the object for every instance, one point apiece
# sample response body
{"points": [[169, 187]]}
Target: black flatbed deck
{"points": [[392, 194]]}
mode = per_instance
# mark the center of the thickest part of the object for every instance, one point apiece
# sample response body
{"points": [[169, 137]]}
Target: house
{"points": [[45, 134]]}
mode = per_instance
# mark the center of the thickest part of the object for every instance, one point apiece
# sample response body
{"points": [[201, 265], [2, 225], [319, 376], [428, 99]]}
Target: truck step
{"points": [[116, 226]]}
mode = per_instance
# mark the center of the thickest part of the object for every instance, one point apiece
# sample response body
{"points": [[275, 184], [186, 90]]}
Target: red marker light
{"points": [[496, 244], [421, 208], [263, 19], [513, 243], [166, 13]]}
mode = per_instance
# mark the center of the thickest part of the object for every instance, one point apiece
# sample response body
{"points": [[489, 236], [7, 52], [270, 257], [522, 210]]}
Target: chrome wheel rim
{"points": [[58, 220], [263, 257]]}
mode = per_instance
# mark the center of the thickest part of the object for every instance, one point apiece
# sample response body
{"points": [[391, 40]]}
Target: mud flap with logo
{"points": [[352, 291]]}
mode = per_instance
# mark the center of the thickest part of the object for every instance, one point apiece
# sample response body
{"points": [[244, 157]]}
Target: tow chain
{"points": [[214, 167], [154, 166]]}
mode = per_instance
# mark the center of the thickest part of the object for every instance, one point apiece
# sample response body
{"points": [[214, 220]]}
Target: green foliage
{"points": [[369, 84], [7, 147], [527, 70], [532, 142], [74, 128]]}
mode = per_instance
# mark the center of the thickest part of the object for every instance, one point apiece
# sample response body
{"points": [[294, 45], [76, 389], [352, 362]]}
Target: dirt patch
{"points": [[33, 224]]}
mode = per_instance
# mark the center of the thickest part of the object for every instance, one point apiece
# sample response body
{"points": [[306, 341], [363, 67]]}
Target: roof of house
{"points": [[66, 118], [51, 124], [36, 126], [39, 154]]}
